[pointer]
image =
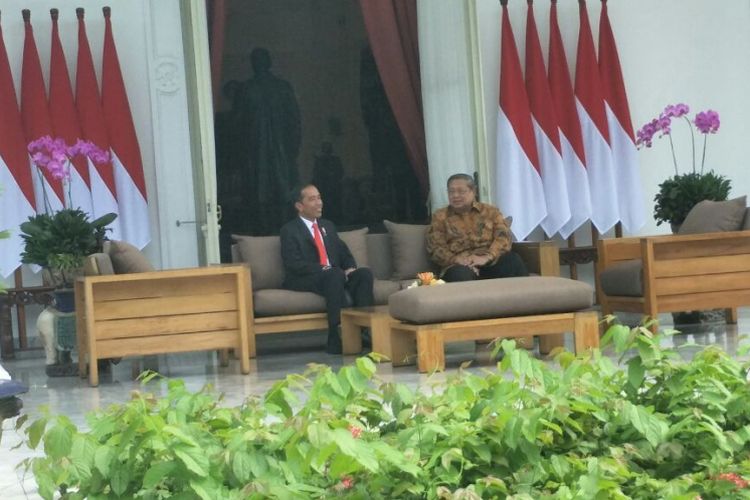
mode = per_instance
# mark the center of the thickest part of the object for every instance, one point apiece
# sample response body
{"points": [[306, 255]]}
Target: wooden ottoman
{"points": [[428, 317]]}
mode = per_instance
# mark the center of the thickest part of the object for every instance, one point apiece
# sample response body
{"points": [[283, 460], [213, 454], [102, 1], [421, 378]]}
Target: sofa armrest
{"points": [[540, 257]]}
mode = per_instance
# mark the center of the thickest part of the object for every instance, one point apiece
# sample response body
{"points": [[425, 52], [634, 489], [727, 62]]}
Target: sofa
{"points": [[395, 257]]}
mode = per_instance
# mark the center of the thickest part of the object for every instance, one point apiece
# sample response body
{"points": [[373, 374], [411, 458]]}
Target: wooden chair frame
{"points": [[681, 272]]}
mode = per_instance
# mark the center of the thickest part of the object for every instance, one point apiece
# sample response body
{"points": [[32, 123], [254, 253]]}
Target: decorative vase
{"points": [[65, 300]]}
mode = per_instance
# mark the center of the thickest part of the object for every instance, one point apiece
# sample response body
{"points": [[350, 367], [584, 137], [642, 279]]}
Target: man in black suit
{"points": [[316, 260]]}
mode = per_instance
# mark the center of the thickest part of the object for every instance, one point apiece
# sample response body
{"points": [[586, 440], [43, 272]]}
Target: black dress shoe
{"points": [[334, 344]]}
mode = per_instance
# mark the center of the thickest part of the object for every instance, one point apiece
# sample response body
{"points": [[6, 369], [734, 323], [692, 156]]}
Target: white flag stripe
{"points": [[14, 210], [42, 187], [104, 201], [601, 175], [80, 196], [630, 190], [133, 207], [518, 184], [578, 189], [553, 182]]}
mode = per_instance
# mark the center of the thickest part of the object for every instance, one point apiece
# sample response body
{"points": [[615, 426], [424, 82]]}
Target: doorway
{"points": [[302, 102]]}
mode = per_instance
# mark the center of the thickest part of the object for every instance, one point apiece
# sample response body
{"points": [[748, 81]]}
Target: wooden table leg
{"points": [[403, 346], [351, 336], [586, 331], [430, 350], [380, 330]]}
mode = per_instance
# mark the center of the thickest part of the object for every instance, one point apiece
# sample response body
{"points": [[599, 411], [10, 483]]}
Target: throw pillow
{"points": [[746, 226], [409, 249], [126, 258], [714, 216], [357, 243], [263, 255]]}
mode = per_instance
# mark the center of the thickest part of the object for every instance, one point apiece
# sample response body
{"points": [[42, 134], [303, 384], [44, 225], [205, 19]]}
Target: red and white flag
{"points": [[546, 132], [16, 185], [65, 125], [518, 178], [571, 141], [604, 204], [48, 191], [621, 138], [93, 128], [126, 154]]}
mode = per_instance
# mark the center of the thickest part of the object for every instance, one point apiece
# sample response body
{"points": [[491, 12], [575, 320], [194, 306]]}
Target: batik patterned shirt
{"points": [[480, 231]]}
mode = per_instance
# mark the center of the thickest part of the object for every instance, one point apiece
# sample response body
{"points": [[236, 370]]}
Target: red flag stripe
{"points": [[61, 104], [588, 83], [561, 88], [513, 98], [12, 140], [613, 84], [117, 111], [540, 98], [34, 110], [89, 106]]}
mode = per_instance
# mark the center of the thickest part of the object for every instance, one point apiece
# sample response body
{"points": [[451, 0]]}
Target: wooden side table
{"points": [[19, 297], [376, 318]]}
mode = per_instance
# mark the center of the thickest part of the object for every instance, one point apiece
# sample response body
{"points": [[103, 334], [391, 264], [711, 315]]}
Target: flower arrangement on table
{"points": [[59, 241], [426, 279], [680, 193]]}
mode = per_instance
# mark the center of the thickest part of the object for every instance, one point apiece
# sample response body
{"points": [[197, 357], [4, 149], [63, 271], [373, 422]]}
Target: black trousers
{"points": [[333, 284], [507, 266]]}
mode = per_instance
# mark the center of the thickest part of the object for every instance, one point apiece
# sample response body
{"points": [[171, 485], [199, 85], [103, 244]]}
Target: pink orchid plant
{"points": [[55, 155], [707, 122]]}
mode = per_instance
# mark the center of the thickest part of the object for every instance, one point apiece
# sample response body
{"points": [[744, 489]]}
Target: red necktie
{"points": [[322, 256]]}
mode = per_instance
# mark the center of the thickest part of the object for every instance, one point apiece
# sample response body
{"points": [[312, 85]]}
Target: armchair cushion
{"points": [[715, 216], [746, 225], [409, 248], [263, 254], [126, 258], [357, 243], [623, 279]]}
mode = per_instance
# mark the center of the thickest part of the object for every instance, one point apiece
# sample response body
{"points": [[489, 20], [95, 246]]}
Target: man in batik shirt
{"points": [[471, 240]]}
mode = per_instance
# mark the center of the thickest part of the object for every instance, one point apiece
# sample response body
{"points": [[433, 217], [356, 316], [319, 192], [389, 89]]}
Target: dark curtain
{"points": [[217, 15], [392, 29]]}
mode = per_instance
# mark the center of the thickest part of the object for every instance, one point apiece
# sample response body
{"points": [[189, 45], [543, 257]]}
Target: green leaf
{"points": [[194, 459], [156, 473], [120, 480], [35, 432], [58, 440], [366, 367], [636, 372], [180, 434], [103, 458]]}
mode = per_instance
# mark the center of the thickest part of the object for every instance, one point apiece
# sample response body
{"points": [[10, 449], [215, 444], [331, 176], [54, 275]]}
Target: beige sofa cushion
{"points": [[379, 255], [715, 216], [623, 279], [278, 302], [357, 243], [263, 255], [497, 298], [98, 264], [382, 289], [408, 249], [126, 258]]}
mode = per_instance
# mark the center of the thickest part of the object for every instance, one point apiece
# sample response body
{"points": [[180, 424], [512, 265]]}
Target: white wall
{"points": [[671, 51], [148, 36]]}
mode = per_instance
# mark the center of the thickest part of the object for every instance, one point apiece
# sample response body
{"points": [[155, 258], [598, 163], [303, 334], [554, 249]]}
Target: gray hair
{"points": [[462, 177]]}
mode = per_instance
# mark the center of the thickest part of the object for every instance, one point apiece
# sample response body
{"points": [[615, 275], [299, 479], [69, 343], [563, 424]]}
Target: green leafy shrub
{"points": [[661, 428], [680, 193], [60, 241]]}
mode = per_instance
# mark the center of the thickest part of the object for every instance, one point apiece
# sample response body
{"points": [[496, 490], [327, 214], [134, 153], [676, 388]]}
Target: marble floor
{"points": [[278, 356]]}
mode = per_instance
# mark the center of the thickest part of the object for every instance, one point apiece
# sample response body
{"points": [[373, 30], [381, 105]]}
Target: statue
{"points": [[327, 175], [268, 121]]}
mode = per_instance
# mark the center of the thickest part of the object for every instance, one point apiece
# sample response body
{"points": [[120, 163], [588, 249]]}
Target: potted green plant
{"points": [[58, 241], [680, 193]]}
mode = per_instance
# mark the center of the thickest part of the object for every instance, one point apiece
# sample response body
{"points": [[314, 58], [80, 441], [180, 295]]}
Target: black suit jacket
{"points": [[300, 255]]}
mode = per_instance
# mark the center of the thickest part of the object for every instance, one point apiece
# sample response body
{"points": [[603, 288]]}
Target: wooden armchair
{"points": [[660, 274]]}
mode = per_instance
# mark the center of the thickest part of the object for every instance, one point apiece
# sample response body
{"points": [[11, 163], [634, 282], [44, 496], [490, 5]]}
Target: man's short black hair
{"points": [[296, 193], [462, 177]]}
